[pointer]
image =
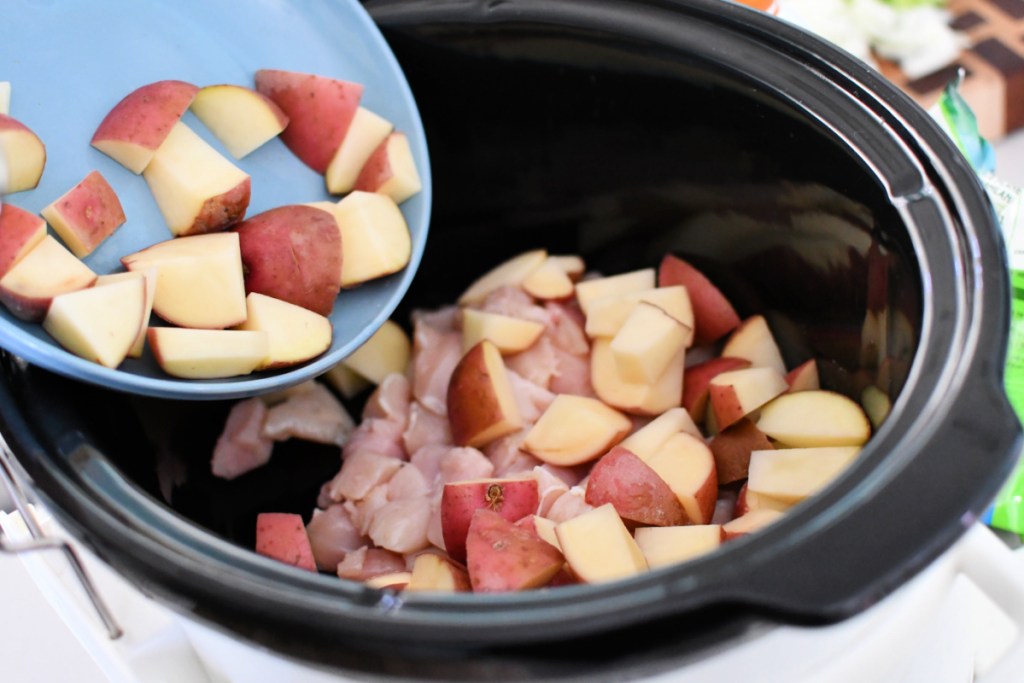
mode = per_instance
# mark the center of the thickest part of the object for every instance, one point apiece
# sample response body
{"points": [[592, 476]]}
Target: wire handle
{"points": [[40, 541]]}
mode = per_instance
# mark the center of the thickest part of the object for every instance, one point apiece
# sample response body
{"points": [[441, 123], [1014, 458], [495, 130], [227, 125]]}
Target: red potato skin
{"points": [[512, 499], [636, 491], [133, 117], [472, 407], [282, 536], [803, 377], [17, 226], [501, 557], [725, 404], [696, 379], [732, 447], [319, 110], [713, 314], [93, 208], [223, 211], [293, 253], [376, 171]]}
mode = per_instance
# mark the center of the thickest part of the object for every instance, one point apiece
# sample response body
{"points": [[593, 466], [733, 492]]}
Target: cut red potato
{"points": [[590, 291], [391, 170], [815, 418], [86, 214], [754, 341], [794, 474], [99, 324], [431, 572], [293, 253], [549, 282], [646, 344], [387, 351], [295, 334], [637, 398], [22, 156], [508, 273], [345, 380], [697, 378], [481, 405], [196, 188], [574, 430], [573, 266], [390, 580], [19, 232], [320, 110], [242, 119], [646, 441], [636, 491], [542, 526], [48, 269], [502, 557], [512, 499], [282, 536], [148, 276], [737, 393], [714, 315], [208, 354], [510, 335], [598, 546], [608, 314], [751, 522], [375, 237], [199, 279], [747, 501], [804, 377], [688, 467], [365, 134], [665, 546], [732, 448], [137, 126]]}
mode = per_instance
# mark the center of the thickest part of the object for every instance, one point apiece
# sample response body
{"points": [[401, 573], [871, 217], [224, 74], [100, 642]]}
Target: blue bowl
{"points": [[69, 63]]}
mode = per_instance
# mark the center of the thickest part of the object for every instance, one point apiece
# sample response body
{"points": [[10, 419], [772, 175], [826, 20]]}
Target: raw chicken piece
{"points": [[390, 400], [549, 488], [311, 415], [532, 399], [425, 427], [362, 511], [242, 446], [434, 356], [401, 525], [537, 364], [435, 533], [381, 437], [462, 463], [514, 302], [572, 374], [332, 535], [428, 461], [444, 319], [408, 482], [366, 563], [361, 472], [567, 329], [568, 505]]}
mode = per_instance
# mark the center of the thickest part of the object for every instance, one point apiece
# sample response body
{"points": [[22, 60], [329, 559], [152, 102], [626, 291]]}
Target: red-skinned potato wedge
{"points": [[86, 214], [319, 109], [793, 474], [207, 354], [282, 536], [510, 272], [365, 134], [502, 557], [688, 466], [19, 232], [752, 521], [196, 188], [754, 340], [391, 170], [293, 253], [510, 334], [22, 156], [732, 448], [635, 490], [737, 393], [136, 126], [747, 501], [636, 398], [713, 314], [574, 430], [391, 581], [432, 572], [646, 440], [242, 119], [481, 405], [804, 377], [48, 269], [696, 379], [513, 499], [386, 352], [815, 418], [295, 334], [375, 236], [598, 546], [665, 546], [549, 282]]}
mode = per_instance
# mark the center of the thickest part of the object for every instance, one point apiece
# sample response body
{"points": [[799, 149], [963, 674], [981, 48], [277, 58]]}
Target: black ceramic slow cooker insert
{"points": [[812, 190]]}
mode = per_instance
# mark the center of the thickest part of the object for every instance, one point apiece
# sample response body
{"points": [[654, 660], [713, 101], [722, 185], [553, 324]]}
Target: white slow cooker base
{"points": [[960, 620]]}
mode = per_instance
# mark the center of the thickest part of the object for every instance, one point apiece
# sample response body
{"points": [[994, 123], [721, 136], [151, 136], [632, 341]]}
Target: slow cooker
{"points": [[813, 192]]}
